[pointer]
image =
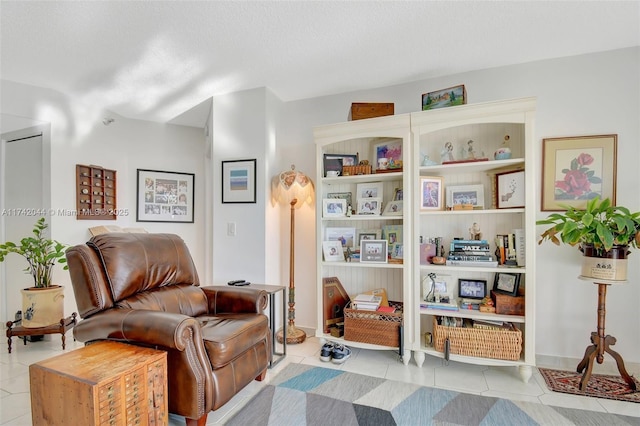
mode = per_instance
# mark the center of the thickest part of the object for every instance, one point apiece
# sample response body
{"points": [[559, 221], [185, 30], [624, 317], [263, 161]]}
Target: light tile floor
{"points": [[503, 382]]}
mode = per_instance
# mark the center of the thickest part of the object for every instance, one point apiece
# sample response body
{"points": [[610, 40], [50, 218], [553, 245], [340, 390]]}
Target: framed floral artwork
{"points": [[577, 169]]}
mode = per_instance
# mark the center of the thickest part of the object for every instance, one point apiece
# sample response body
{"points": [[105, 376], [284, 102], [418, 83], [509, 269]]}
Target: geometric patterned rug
{"points": [[307, 395], [599, 385]]}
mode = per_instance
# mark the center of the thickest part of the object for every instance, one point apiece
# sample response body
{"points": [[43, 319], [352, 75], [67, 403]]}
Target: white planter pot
{"points": [[42, 306]]}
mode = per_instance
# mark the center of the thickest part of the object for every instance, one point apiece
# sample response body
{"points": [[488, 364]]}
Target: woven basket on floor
{"points": [[378, 328], [498, 344]]}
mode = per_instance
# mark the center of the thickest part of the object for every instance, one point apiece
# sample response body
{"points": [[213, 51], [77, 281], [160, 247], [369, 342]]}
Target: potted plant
{"points": [[601, 231], [41, 254]]}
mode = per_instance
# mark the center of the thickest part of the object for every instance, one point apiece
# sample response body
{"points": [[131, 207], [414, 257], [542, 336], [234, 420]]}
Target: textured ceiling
{"points": [[156, 60]]}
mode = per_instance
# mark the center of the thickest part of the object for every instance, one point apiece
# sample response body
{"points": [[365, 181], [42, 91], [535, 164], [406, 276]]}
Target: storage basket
{"points": [[356, 170], [479, 342], [378, 328]]}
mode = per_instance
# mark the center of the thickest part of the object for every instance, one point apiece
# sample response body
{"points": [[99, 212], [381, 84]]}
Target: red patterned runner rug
{"points": [[599, 386]]}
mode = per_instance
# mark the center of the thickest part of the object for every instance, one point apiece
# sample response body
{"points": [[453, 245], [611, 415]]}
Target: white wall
{"points": [[582, 95], [125, 146]]}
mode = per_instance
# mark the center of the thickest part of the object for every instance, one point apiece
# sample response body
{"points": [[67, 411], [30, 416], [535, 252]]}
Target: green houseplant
{"points": [[601, 230], [42, 304]]}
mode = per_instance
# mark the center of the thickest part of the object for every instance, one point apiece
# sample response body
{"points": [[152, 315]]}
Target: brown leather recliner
{"points": [[144, 289]]}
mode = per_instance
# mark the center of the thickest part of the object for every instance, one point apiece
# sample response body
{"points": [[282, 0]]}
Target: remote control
{"points": [[243, 283], [236, 282]]}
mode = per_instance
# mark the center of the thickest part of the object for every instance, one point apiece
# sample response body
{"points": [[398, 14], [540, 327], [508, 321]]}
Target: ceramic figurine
{"points": [[447, 153], [504, 152], [426, 161], [474, 232]]}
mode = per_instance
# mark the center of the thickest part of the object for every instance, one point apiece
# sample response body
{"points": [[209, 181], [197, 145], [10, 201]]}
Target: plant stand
{"points": [[64, 325], [600, 342]]}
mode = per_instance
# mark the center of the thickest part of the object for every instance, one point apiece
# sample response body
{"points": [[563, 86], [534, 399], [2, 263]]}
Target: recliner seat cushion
{"points": [[227, 336], [179, 299]]}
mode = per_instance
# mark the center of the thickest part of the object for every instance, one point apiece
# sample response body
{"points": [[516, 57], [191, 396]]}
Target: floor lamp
{"points": [[293, 188]]}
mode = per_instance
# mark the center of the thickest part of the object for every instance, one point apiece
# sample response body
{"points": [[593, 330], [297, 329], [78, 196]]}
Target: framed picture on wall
{"points": [[239, 181], [164, 196]]}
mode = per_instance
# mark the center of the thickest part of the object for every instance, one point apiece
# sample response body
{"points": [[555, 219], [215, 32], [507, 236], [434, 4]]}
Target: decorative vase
{"points": [[42, 307], [606, 265]]}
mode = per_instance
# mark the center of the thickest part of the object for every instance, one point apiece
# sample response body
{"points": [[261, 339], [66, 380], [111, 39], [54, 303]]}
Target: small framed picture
{"points": [[239, 181], [431, 193], [392, 233], [472, 289], [466, 195], [506, 283], [346, 236], [368, 234], [510, 186], [398, 194], [341, 196], [393, 208], [370, 190], [334, 207], [369, 206], [388, 155], [374, 251], [397, 251], [332, 251]]}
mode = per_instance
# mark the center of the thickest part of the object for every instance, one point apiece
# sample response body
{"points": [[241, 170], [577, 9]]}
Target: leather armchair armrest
{"points": [[235, 300], [154, 328]]}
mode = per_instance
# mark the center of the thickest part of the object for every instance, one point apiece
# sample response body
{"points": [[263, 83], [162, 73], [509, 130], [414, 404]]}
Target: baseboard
{"points": [[607, 367]]}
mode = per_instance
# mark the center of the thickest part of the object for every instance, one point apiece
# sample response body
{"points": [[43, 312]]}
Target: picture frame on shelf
{"points": [[165, 196], [398, 194], [332, 251], [472, 289], [392, 233], [462, 196], [369, 206], [576, 169], [393, 208], [346, 236], [368, 234], [342, 196], [456, 95], [334, 162], [510, 188], [397, 251], [239, 181], [370, 190], [392, 152], [506, 283], [334, 207], [374, 251], [431, 193]]}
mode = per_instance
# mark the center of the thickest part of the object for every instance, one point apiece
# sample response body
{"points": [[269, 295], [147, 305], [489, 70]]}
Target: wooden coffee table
{"points": [[62, 327]]}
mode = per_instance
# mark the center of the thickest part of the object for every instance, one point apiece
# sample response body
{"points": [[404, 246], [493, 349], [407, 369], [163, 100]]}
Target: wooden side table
{"points": [[64, 325], [600, 342], [105, 383]]}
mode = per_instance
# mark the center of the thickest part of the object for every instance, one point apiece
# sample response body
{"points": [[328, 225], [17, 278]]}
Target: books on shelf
{"points": [[470, 251], [366, 302], [453, 306], [510, 248], [480, 263], [492, 325]]}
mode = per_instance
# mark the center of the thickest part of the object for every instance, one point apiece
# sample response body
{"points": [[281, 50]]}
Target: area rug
{"points": [[599, 385], [307, 395]]}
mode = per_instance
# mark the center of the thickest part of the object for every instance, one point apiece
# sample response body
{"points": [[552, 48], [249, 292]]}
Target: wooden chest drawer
{"points": [[106, 383]]}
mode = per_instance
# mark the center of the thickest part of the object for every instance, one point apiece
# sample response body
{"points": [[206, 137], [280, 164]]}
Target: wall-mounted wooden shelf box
{"points": [[95, 193]]}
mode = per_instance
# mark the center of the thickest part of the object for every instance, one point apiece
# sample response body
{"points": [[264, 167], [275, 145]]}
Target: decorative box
{"points": [[356, 170], [370, 110], [509, 305]]}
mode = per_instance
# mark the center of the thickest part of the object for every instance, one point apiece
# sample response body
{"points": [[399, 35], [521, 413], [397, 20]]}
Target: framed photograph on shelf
{"points": [[164, 196], [368, 234], [370, 190], [342, 196], [334, 162], [374, 251], [369, 206], [431, 193], [397, 251], [506, 283], [393, 208], [510, 190], [334, 207], [472, 289], [398, 194], [465, 195], [391, 151], [332, 251], [392, 233], [239, 181], [577, 169], [346, 236]]}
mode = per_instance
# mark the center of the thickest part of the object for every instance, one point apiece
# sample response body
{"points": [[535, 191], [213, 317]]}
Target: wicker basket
{"points": [[479, 342], [356, 170], [378, 328]]}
